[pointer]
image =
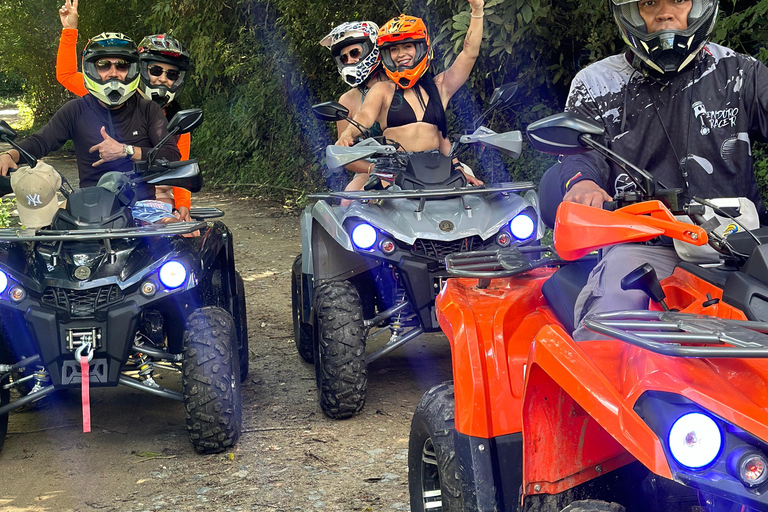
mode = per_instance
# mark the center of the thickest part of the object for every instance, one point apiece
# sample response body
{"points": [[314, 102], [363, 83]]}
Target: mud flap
{"points": [[490, 471]]}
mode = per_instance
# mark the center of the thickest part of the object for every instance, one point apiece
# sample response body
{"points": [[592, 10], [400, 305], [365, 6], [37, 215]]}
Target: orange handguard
{"points": [[581, 229]]}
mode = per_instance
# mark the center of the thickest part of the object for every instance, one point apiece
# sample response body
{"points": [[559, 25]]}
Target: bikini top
{"points": [[400, 112]]}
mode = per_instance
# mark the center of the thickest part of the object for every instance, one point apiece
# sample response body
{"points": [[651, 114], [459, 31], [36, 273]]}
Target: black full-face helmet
{"points": [[112, 92], [168, 50], [666, 51]]}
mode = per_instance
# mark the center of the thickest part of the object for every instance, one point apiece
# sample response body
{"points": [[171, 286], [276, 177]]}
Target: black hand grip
{"points": [[610, 206]]}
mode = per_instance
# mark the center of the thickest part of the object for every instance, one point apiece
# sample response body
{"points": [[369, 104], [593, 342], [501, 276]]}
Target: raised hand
{"points": [[477, 6], [109, 149], [68, 14]]}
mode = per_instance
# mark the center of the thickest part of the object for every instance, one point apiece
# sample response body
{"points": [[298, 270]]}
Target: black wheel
{"points": [[212, 402], [593, 506], [433, 478], [340, 369], [241, 321], [303, 335]]}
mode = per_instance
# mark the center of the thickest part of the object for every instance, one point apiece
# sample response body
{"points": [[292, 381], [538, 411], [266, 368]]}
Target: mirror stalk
{"points": [[641, 178], [31, 161]]}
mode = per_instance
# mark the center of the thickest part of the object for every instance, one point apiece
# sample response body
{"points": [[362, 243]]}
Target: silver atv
{"points": [[376, 266]]}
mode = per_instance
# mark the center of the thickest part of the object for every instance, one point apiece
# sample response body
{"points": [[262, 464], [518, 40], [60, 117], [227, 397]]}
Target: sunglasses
{"points": [[171, 74], [105, 65], [354, 53]]}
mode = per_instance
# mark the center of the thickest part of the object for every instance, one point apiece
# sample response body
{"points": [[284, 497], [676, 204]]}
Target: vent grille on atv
{"points": [[438, 249], [82, 302]]}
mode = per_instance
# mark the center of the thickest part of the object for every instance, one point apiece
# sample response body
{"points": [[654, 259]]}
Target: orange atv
{"points": [[670, 414]]}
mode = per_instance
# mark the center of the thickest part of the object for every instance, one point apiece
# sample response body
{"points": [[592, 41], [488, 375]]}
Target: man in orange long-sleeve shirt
{"points": [[164, 64]]}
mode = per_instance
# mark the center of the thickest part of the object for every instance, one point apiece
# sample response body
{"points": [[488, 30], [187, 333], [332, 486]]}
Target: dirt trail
{"points": [[290, 457]]}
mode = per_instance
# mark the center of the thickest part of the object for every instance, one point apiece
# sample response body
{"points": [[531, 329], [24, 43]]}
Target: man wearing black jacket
{"points": [[110, 127], [676, 105]]}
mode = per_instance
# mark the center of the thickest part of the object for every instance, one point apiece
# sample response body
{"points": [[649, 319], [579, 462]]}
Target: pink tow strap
{"points": [[85, 394]]}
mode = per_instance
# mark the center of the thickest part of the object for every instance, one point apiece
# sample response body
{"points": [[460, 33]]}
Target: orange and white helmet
{"points": [[405, 29]]}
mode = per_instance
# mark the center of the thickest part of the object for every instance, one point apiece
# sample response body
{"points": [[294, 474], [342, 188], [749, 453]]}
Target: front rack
{"points": [[498, 263], [683, 335], [516, 186], [152, 230]]}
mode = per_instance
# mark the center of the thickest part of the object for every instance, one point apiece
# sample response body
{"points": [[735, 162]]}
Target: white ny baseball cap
{"points": [[35, 191]]}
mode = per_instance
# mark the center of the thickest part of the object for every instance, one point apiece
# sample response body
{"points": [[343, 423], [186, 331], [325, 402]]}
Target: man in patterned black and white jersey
{"points": [[682, 108]]}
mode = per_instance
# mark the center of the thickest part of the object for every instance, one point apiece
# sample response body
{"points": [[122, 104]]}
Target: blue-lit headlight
{"points": [[522, 226], [3, 281], [695, 440], [364, 236], [173, 274]]}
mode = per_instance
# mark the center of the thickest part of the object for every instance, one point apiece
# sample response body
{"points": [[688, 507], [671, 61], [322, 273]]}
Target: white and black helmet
{"points": [[354, 32], [168, 50], [112, 92], [666, 51]]}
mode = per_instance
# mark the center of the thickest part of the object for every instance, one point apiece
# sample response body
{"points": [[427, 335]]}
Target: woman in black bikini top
{"points": [[413, 98]]}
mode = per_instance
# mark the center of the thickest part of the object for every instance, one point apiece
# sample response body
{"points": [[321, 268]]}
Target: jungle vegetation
{"points": [[258, 68]]}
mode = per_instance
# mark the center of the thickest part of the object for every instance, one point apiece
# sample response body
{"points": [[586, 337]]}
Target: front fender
{"points": [[577, 424], [329, 248]]}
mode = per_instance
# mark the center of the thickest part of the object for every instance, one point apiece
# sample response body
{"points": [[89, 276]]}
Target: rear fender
{"points": [[576, 424]]}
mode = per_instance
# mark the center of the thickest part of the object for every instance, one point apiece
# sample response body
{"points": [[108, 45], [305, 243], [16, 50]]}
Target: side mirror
{"points": [[561, 134], [330, 111], [503, 94], [7, 134], [186, 120]]}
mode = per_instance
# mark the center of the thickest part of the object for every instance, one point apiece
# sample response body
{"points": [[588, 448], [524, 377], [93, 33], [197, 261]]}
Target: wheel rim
{"points": [[431, 496]]}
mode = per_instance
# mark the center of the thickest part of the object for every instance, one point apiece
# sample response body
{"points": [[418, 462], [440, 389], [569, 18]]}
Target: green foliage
{"points": [[258, 67], [11, 85]]}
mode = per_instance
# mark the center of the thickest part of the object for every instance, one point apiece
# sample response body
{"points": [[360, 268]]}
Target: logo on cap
{"points": [[34, 200]]}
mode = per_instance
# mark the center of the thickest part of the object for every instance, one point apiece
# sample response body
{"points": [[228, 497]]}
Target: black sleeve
{"points": [[756, 100], [157, 129], [55, 133], [586, 166]]}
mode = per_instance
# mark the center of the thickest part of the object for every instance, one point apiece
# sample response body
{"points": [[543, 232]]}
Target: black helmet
{"points": [[113, 91], [666, 51], [166, 49]]}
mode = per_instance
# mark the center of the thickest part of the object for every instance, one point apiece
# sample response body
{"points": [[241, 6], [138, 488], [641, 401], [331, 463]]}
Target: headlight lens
{"points": [[3, 281], [173, 274], [364, 236], [695, 440], [522, 226]]}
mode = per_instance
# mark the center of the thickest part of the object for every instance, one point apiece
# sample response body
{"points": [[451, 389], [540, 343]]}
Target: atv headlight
{"points": [[695, 440], [522, 226], [3, 281], [173, 274], [364, 236]]}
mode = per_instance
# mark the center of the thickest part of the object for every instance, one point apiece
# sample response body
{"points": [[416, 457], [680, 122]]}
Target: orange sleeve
{"points": [[183, 143], [66, 63], [182, 196]]}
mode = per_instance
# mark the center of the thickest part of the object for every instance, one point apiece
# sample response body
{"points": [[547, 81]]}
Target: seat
{"points": [[563, 288]]}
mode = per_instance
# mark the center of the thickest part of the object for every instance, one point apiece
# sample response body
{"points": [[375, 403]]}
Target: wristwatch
{"points": [[128, 150]]}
